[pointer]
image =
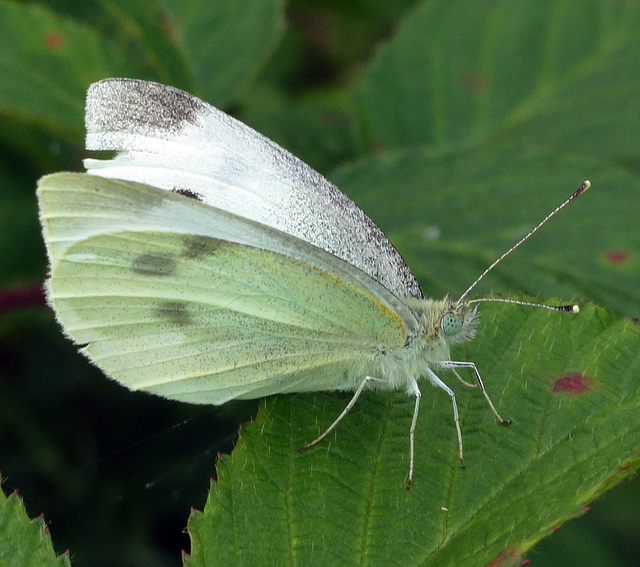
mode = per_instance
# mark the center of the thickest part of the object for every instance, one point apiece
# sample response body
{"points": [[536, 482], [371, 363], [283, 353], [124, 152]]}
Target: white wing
{"points": [[170, 139]]}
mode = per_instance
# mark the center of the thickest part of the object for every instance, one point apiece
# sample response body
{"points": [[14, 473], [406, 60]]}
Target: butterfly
{"points": [[205, 263]]}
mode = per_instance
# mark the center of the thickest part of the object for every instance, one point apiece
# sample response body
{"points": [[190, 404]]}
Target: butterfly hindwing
{"points": [[200, 319]]}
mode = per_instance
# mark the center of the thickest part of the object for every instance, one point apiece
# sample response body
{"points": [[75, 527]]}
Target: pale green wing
{"points": [[205, 320], [77, 206]]}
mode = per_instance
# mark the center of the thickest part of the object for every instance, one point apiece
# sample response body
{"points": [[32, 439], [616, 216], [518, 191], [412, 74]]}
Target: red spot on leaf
{"points": [[170, 26], [53, 41], [574, 383], [508, 557], [617, 256], [475, 81], [556, 528]]}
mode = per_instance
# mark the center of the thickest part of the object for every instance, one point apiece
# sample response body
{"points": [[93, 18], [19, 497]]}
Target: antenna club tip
{"points": [[569, 308], [585, 185]]}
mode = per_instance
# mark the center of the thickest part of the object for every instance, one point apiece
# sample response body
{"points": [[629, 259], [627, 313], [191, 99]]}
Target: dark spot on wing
{"points": [[141, 107], [172, 105], [574, 383], [190, 193], [198, 247], [176, 312], [154, 265]]}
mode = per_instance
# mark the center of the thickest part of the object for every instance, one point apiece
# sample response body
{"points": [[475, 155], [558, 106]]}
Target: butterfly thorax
{"points": [[441, 324]]}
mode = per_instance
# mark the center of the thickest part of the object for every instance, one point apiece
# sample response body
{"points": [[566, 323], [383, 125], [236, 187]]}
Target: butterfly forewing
{"points": [[170, 139]]}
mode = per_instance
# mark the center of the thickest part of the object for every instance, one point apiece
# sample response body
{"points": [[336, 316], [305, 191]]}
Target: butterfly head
{"points": [[458, 322], [448, 321]]}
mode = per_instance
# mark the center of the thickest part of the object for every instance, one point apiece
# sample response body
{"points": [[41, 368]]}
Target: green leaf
{"points": [[345, 502], [47, 60], [25, 542], [210, 48], [558, 73], [226, 43], [453, 213]]}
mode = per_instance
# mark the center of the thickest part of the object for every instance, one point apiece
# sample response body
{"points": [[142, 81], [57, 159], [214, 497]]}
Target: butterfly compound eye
{"points": [[451, 324]]}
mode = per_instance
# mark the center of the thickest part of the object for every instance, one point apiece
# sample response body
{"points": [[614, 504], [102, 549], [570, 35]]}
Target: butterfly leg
{"points": [[339, 418], [440, 384], [452, 364], [412, 430], [461, 379]]}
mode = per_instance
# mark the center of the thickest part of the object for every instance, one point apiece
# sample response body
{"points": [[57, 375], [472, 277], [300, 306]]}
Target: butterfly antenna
{"points": [[572, 308]]}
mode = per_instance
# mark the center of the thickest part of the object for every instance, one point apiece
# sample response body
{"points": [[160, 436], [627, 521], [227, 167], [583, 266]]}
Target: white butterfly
{"points": [[236, 270]]}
